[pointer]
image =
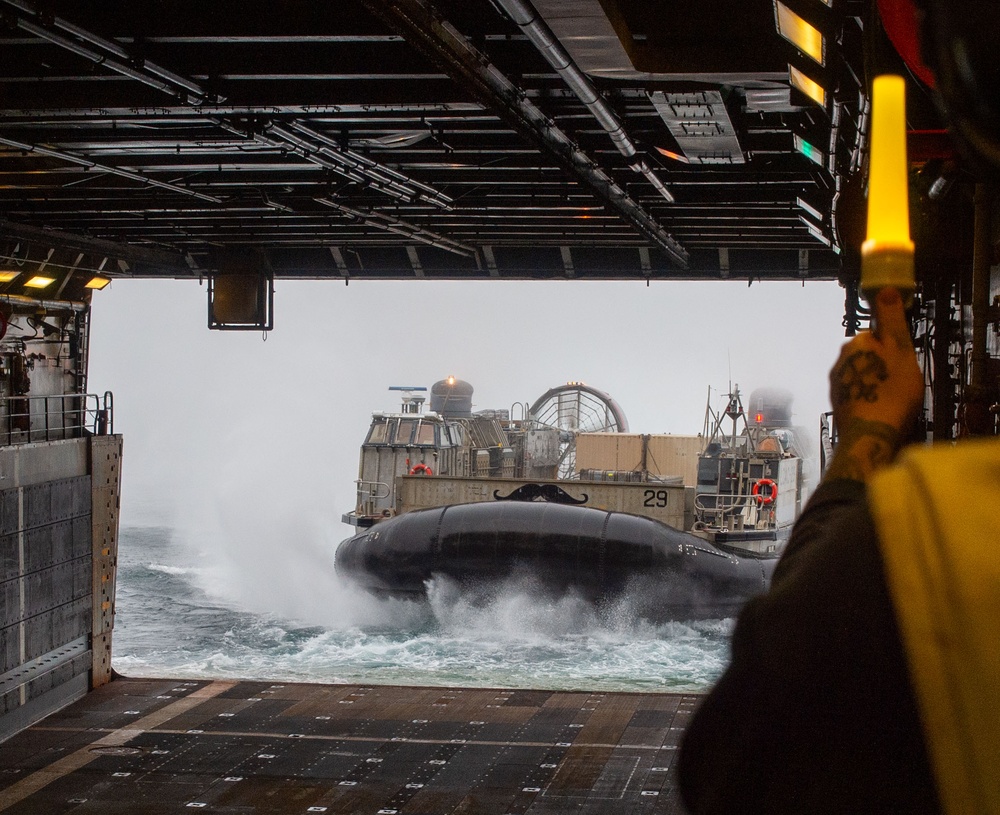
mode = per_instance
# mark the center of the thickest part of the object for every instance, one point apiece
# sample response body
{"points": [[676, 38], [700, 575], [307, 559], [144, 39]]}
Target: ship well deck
{"points": [[169, 746]]}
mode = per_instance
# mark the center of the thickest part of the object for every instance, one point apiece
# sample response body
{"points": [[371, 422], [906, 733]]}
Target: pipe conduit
{"points": [[527, 18]]}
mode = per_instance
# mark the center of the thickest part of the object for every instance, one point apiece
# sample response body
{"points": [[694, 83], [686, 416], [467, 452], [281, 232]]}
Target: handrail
{"points": [[27, 419], [523, 408], [726, 503], [738, 501], [366, 488], [369, 492]]}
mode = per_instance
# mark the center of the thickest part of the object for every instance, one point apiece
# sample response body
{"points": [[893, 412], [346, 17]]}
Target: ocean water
{"points": [[190, 606]]}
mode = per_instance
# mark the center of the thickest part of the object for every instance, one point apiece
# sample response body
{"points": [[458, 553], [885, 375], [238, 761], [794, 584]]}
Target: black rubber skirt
{"points": [[602, 555]]}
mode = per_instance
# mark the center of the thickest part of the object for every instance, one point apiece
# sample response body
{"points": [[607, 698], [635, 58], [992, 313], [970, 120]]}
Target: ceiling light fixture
{"points": [[6, 277], [814, 230], [798, 32], [809, 208], [809, 87], [97, 283], [819, 236], [812, 153], [673, 155], [40, 282]]}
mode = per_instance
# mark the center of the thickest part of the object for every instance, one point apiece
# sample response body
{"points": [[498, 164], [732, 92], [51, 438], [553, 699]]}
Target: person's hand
{"points": [[876, 390], [877, 377]]}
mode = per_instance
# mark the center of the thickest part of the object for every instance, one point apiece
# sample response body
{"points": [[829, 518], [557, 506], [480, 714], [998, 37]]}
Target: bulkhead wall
{"points": [[58, 554]]}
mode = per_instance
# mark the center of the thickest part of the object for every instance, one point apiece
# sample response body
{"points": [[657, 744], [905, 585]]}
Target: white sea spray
{"points": [[224, 616]]}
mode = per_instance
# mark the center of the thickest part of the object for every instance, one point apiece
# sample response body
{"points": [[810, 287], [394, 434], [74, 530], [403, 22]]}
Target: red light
{"points": [[759, 418], [673, 155]]}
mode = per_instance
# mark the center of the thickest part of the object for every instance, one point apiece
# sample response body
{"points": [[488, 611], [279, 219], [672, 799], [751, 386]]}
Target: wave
{"points": [[171, 570], [192, 615]]}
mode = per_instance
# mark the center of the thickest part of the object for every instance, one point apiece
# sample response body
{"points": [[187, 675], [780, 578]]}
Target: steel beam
{"points": [[132, 254], [441, 42], [524, 14]]}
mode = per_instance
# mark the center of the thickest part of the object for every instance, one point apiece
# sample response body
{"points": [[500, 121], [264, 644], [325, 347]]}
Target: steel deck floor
{"points": [[163, 746]]}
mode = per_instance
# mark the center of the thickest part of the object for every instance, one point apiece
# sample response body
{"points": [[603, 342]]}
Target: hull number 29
{"points": [[654, 498]]}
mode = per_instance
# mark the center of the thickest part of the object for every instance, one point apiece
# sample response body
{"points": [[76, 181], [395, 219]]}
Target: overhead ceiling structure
{"points": [[438, 139]]}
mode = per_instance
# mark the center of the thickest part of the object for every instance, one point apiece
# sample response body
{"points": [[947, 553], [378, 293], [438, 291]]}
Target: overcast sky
{"points": [[224, 419]]}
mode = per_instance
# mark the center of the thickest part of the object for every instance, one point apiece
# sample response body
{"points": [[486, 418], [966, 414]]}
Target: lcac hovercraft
{"points": [[560, 491]]}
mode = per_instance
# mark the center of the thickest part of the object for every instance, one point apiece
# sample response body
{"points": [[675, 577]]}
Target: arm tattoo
{"points": [[859, 376], [863, 447]]}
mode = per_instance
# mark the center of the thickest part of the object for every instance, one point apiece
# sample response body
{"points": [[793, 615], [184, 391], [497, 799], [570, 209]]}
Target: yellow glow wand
{"points": [[887, 254]]}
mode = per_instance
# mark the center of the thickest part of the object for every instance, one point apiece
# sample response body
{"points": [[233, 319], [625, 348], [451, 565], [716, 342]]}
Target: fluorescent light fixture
{"points": [[810, 152], [97, 282], [803, 204], [798, 32], [812, 89], [6, 277], [815, 231], [819, 236], [40, 282]]}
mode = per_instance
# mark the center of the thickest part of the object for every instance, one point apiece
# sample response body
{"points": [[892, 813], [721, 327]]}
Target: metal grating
{"points": [[224, 746], [701, 126]]}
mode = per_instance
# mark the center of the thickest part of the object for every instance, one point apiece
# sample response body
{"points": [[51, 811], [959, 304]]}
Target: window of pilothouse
{"points": [[425, 433], [379, 433], [404, 432]]}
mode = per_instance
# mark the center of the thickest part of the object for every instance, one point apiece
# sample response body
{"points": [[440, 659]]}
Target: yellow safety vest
{"points": [[938, 518]]}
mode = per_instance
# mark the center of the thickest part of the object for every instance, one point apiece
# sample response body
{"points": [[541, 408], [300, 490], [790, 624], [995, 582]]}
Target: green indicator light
{"points": [[810, 152]]}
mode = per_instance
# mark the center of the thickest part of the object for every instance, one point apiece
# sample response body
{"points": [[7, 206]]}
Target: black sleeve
{"points": [[815, 713]]}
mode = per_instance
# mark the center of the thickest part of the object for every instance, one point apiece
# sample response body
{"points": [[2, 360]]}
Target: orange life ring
{"points": [[764, 500], [421, 469]]}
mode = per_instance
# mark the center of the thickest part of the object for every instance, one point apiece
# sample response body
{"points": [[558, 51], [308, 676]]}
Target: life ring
{"points": [[772, 493], [421, 469]]}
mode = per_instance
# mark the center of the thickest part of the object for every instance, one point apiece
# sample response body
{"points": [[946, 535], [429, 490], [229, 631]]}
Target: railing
{"points": [[25, 419], [368, 493], [714, 508]]}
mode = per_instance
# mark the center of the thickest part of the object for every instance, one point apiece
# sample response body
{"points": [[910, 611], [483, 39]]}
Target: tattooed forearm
{"points": [[859, 377], [862, 448], [876, 389]]}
